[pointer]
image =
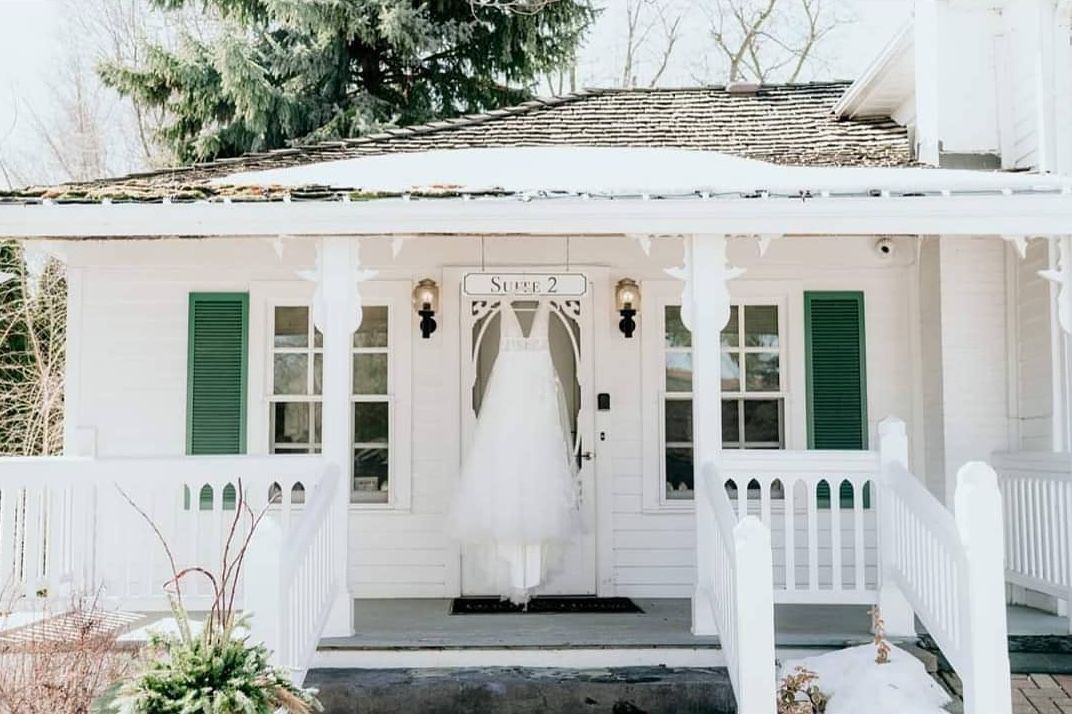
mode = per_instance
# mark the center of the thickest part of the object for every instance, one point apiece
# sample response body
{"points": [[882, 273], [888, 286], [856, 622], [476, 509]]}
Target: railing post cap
{"points": [[891, 426], [750, 529], [977, 474]]}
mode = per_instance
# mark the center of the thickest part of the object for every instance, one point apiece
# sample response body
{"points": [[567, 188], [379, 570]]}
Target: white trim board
{"points": [[986, 214], [595, 657]]}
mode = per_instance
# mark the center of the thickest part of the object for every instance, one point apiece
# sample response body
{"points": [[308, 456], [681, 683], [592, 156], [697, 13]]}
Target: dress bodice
{"points": [[512, 337]]}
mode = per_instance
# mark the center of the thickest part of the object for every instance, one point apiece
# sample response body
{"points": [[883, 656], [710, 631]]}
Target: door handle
{"points": [[583, 456]]}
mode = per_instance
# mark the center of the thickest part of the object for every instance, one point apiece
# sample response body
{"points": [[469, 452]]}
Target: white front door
{"points": [[571, 349]]}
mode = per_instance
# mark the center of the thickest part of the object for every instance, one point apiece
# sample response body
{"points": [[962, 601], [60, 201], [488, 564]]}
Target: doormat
{"points": [[544, 605]]}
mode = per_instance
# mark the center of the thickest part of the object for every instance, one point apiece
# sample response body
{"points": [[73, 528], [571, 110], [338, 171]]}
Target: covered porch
{"points": [[767, 547]]}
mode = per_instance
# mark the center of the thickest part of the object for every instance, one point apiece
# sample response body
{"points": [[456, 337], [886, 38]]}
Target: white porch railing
{"points": [[949, 569], [1036, 489], [66, 527], [290, 586], [741, 594], [820, 509]]}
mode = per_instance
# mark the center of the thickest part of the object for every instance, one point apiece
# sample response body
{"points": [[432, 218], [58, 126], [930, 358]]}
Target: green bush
{"points": [[208, 675]]}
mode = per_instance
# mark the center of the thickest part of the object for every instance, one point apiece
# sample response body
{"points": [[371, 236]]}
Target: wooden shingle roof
{"points": [[781, 124]]}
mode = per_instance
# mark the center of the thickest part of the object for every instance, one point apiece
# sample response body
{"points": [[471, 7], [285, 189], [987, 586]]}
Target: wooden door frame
{"points": [[451, 301]]}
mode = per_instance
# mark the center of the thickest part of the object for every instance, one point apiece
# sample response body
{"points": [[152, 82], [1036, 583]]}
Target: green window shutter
{"points": [[216, 373], [837, 376]]}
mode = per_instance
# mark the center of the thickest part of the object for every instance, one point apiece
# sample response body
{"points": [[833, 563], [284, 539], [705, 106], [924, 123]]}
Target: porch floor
{"points": [[427, 623], [1028, 621]]}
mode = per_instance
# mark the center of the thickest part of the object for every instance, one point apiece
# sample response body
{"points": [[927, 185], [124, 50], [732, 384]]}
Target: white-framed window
{"points": [[372, 406], [292, 386], [754, 384], [294, 398]]}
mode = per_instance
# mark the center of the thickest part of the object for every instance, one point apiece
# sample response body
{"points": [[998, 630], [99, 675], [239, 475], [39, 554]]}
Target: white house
{"points": [[862, 286]]}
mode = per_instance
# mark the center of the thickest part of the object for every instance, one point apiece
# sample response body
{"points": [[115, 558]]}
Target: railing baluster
{"points": [[813, 536], [858, 535], [789, 492]]}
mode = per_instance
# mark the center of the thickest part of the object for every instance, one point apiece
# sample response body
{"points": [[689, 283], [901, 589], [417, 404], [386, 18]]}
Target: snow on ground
{"points": [[618, 171], [855, 683]]}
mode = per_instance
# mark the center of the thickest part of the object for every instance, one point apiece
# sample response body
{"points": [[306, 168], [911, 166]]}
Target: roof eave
{"points": [[1022, 214], [855, 100]]}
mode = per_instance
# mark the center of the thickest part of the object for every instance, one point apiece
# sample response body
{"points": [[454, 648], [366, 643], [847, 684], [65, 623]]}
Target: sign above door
{"points": [[525, 284]]}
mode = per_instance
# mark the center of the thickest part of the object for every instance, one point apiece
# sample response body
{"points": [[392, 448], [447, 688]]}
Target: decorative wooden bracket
{"points": [[1062, 277], [1019, 243], [714, 276], [337, 276]]}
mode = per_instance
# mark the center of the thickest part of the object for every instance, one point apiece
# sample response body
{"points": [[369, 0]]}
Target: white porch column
{"points": [[705, 311], [1061, 278], [336, 309]]}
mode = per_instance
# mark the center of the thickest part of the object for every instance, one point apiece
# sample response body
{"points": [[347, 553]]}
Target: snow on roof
{"points": [[624, 172]]}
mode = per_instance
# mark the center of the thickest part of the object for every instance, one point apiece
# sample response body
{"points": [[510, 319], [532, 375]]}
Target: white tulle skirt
{"points": [[516, 507]]}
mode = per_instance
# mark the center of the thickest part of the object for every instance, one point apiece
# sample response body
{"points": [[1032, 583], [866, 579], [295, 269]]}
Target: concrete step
{"points": [[517, 690]]}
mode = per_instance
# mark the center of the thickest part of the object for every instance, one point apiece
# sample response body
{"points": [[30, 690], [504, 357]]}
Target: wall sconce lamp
{"points": [[627, 299], [426, 300]]}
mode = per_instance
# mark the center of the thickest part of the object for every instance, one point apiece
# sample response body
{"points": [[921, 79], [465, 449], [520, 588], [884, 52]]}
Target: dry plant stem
{"points": [[224, 587], [167, 551], [33, 315], [42, 675]]}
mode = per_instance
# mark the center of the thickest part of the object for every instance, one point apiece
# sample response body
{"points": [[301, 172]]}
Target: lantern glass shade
{"points": [[627, 295], [426, 295]]}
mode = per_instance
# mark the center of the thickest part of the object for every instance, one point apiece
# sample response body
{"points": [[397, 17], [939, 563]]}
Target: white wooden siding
{"points": [[973, 352], [1022, 96], [1033, 335], [131, 382]]}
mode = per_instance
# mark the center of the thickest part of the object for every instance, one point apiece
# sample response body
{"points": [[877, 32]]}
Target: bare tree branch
{"points": [[769, 40]]}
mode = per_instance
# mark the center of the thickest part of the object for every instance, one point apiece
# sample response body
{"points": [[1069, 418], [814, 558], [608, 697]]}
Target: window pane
{"points": [[371, 422], [370, 476], [761, 369], [678, 372], [318, 374], [678, 473], [290, 422], [678, 420], [731, 423], [290, 374], [731, 372], [762, 421], [318, 337], [373, 330], [731, 333], [318, 421], [676, 333], [761, 325], [370, 374], [292, 327]]}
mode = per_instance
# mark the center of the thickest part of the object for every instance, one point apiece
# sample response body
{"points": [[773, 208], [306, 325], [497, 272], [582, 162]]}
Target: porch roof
{"points": [[786, 124], [578, 190]]}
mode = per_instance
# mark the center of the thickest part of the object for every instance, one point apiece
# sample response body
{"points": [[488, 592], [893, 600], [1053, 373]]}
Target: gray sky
{"points": [[31, 47]]}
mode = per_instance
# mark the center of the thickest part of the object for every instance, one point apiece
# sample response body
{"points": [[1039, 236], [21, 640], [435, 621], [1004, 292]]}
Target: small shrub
{"points": [[60, 663], [216, 671], [878, 628], [798, 693], [221, 675]]}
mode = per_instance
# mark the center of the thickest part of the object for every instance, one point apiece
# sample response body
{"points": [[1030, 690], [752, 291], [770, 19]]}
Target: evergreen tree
{"points": [[277, 72]]}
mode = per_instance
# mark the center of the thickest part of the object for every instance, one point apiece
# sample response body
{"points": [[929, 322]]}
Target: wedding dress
{"points": [[516, 507]]}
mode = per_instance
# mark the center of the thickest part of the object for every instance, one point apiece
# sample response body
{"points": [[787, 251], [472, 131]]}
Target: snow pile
{"points": [[621, 171], [856, 684]]}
